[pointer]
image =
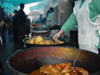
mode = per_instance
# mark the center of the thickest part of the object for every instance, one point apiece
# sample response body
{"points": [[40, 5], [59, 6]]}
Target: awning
{"points": [[39, 6], [17, 2]]}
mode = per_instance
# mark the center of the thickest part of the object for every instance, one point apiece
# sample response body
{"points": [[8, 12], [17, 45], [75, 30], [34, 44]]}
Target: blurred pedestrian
{"points": [[21, 20], [15, 28], [27, 25], [1, 16], [1, 23], [3, 28]]}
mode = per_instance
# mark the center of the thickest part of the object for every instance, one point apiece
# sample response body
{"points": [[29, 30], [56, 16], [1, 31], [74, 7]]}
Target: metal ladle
{"points": [[74, 62]]}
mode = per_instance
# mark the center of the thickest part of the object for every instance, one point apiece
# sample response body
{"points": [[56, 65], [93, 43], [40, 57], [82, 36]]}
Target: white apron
{"points": [[87, 36]]}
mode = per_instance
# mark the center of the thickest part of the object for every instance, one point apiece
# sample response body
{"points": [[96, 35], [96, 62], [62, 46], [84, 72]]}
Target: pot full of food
{"points": [[54, 61], [41, 41]]}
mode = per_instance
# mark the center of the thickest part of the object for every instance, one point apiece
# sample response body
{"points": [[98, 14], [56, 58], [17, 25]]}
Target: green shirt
{"points": [[94, 8]]}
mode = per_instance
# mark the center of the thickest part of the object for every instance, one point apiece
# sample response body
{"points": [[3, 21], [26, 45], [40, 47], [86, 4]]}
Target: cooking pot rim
{"points": [[21, 50]]}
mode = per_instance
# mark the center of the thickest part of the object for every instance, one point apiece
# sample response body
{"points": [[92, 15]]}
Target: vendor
{"points": [[51, 21], [86, 14], [51, 17], [40, 20]]}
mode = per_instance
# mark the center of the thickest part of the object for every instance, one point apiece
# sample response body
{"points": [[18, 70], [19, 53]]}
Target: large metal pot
{"points": [[26, 61], [46, 38], [41, 31]]}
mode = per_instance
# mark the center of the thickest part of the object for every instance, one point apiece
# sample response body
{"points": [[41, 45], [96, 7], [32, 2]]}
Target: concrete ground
{"points": [[6, 50]]}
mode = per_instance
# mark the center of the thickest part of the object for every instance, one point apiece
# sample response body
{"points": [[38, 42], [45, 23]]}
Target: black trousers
{"points": [[21, 35], [15, 36]]}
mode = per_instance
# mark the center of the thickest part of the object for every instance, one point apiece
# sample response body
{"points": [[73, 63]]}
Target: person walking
{"points": [[15, 28], [21, 20]]}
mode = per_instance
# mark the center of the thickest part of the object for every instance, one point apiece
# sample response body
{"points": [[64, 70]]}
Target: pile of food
{"points": [[40, 40], [61, 69]]}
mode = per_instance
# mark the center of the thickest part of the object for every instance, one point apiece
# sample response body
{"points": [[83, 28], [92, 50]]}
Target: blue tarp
{"points": [[39, 6], [17, 2]]}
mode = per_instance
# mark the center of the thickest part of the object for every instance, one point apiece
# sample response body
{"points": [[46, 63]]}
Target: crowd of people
{"points": [[18, 25], [49, 19], [85, 15]]}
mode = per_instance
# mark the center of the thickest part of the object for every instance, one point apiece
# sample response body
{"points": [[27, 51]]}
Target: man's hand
{"points": [[56, 36]]}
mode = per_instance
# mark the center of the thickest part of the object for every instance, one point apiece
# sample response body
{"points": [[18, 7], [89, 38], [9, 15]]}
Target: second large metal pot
{"points": [[46, 38]]}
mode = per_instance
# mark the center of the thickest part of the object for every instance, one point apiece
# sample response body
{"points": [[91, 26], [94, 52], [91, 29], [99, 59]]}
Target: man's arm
{"points": [[70, 23], [96, 5]]}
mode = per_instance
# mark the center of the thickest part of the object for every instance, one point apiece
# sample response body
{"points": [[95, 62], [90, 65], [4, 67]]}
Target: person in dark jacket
{"points": [[27, 25], [21, 20], [3, 28], [15, 28], [1, 14], [1, 23]]}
